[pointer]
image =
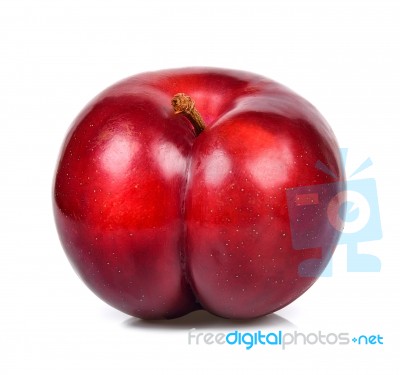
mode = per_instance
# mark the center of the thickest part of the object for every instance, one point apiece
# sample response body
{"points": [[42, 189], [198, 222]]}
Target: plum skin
{"points": [[159, 222]]}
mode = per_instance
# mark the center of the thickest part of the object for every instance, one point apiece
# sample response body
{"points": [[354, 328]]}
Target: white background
{"points": [[342, 55]]}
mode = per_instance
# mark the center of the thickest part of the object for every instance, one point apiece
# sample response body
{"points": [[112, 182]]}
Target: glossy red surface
{"points": [[158, 222]]}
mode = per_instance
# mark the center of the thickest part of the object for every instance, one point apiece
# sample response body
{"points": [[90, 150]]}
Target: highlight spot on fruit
{"points": [[118, 154], [169, 159], [271, 165], [217, 168]]}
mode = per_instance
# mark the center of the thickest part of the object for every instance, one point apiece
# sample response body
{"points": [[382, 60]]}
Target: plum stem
{"points": [[184, 104]]}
